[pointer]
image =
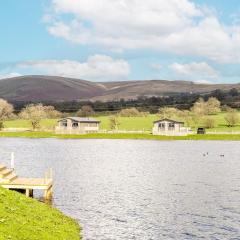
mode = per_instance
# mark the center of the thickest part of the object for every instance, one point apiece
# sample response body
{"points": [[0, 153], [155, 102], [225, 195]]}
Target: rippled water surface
{"points": [[127, 189]]}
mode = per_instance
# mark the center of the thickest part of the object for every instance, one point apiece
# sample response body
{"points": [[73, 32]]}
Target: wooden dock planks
{"points": [[25, 184]]}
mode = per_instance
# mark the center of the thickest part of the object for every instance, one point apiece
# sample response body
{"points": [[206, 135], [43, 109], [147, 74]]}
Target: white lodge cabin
{"points": [[170, 127], [77, 125]]}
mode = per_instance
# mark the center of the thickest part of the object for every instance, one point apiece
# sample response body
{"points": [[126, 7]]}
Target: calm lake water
{"points": [[127, 189]]}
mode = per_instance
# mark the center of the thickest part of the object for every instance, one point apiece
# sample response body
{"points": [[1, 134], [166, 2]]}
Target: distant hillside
{"points": [[133, 89], [49, 88]]}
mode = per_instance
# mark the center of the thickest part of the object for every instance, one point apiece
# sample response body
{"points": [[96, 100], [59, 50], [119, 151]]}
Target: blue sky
{"points": [[105, 40]]}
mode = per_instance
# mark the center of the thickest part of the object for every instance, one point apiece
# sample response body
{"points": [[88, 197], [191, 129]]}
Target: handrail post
{"points": [[45, 177], [51, 173], [12, 160]]}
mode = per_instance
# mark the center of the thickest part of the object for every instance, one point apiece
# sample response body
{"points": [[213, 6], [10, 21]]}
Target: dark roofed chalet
{"points": [[77, 125]]}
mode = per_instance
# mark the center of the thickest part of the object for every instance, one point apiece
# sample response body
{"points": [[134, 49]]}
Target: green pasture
{"points": [[140, 136], [129, 123]]}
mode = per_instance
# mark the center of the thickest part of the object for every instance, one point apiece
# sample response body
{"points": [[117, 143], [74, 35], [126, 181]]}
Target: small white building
{"points": [[170, 127], [77, 125]]}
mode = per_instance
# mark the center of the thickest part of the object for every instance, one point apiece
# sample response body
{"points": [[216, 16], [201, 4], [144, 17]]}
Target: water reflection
{"points": [[125, 189]]}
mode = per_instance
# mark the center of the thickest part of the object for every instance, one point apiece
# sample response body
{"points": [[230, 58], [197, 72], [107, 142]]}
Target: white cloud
{"points": [[176, 26], [97, 67], [195, 70], [10, 75], [203, 82], [47, 18]]}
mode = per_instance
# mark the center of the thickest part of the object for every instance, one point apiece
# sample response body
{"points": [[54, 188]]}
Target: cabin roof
{"points": [[168, 120], [81, 119]]}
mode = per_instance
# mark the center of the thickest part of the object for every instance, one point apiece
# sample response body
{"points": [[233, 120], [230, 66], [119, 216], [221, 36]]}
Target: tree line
{"points": [[200, 114], [143, 103], [32, 112]]}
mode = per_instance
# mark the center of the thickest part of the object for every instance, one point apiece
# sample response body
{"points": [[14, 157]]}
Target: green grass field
{"points": [[25, 218], [127, 123], [140, 136], [20, 123]]}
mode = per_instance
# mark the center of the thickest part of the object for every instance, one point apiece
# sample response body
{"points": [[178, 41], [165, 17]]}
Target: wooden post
{"points": [[48, 175], [48, 193], [51, 173], [12, 160], [45, 194], [45, 177], [31, 193], [27, 192]]}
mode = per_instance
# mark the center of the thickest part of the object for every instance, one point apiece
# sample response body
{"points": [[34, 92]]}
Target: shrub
{"points": [[185, 115], [130, 112], [168, 112], [114, 122], [51, 112], [209, 123], [85, 111], [232, 118]]}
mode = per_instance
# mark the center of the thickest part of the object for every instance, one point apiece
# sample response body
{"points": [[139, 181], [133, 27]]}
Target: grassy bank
{"points": [[23, 218], [230, 137]]}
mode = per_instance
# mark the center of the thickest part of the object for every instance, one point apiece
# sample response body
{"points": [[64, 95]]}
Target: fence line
{"points": [[218, 132], [124, 131]]}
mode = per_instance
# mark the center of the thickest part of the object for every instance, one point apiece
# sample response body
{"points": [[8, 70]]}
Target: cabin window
{"points": [[161, 126], [171, 126], [75, 124], [63, 123]]}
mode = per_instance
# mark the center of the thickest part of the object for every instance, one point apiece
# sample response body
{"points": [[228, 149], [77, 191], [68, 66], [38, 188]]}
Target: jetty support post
{"points": [[29, 192], [49, 191]]}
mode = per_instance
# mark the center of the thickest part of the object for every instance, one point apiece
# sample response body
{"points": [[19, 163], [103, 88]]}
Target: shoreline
{"points": [[133, 136], [27, 218]]}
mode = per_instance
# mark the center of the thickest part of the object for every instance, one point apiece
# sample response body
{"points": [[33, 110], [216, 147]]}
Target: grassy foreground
{"points": [[24, 218], [143, 136]]}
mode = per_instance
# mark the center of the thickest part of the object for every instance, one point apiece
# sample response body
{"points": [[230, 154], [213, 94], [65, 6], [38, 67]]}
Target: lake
{"points": [[134, 189]]}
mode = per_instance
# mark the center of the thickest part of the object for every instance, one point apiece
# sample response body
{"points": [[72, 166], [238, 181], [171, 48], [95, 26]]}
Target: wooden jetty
{"points": [[10, 180]]}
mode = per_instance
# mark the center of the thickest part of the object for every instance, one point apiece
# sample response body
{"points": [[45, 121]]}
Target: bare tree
{"points": [[212, 106], [198, 108], [51, 112], [34, 113], [85, 111], [168, 112], [6, 110], [114, 122], [232, 117], [186, 116], [201, 108], [209, 122]]}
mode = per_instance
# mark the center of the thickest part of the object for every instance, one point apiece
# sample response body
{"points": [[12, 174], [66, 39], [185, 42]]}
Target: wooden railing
{"points": [[48, 175]]}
